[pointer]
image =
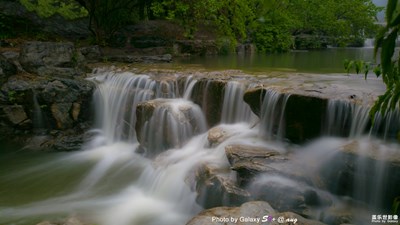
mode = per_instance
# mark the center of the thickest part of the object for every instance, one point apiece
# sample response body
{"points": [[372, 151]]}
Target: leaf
{"points": [[358, 66], [366, 69], [388, 46], [377, 70], [390, 8]]}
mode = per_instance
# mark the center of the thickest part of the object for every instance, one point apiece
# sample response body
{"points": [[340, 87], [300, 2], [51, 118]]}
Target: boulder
{"points": [[209, 94], [50, 58], [249, 213], [362, 169], [215, 188], [217, 135], [303, 115], [167, 123], [7, 68], [91, 53], [73, 220], [61, 113], [250, 161], [15, 114]]}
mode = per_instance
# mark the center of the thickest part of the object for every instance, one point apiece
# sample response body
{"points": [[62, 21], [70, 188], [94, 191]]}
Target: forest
{"points": [[273, 26]]}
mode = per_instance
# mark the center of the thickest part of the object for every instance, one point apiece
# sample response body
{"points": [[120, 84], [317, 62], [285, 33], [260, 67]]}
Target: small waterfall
{"points": [[173, 122], [117, 97], [38, 117], [188, 89], [345, 118], [234, 108], [272, 115], [387, 126]]}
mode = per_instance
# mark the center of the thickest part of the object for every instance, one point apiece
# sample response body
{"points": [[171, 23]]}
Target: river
{"points": [[113, 182]]}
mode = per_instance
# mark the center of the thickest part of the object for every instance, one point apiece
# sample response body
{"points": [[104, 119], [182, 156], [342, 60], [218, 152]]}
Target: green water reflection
{"points": [[317, 61]]}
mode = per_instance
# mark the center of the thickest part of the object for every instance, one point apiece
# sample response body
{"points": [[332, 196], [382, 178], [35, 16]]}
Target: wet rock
{"points": [[209, 95], [288, 195], [257, 210], [361, 169], [249, 161], [215, 188], [69, 221], [167, 123], [303, 115], [50, 59], [217, 135], [13, 57]]}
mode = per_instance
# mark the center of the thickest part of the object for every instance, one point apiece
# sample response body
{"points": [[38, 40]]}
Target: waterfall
{"points": [[152, 145], [234, 108], [273, 115], [173, 123], [38, 117], [345, 118]]}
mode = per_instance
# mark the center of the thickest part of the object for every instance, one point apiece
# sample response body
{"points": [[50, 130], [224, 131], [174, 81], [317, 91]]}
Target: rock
{"points": [[168, 123], [288, 195], [140, 59], [91, 53], [249, 161], [50, 58], [261, 211], [15, 114], [256, 209], [209, 94], [26, 21], [13, 57], [217, 135], [303, 115], [7, 69], [73, 220], [361, 165], [61, 114], [215, 188]]}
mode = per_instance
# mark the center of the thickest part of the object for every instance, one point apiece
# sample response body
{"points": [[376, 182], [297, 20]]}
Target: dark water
{"points": [[329, 60]]}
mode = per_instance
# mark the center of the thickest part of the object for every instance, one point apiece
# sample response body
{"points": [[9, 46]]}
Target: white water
{"points": [[114, 185]]}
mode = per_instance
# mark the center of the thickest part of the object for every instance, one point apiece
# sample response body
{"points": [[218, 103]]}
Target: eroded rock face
{"points": [[59, 108], [302, 117], [7, 69], [215, 187], [51, 59], [250, 161], [209, 95]]}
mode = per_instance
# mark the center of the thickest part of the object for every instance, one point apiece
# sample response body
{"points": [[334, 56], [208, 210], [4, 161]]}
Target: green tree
{"points": [[69, 9], [106, 17], [389, 67]]}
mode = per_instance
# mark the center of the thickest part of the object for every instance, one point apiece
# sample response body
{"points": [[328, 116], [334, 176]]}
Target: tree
{"points": [[69, 9], [389, 67], [106, 17]]}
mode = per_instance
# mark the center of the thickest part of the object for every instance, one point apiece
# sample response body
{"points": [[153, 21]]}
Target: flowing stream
{"points": [[115, 180]]}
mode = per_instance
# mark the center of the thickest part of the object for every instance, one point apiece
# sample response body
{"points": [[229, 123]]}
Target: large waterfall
{"points": [[153, 137]]}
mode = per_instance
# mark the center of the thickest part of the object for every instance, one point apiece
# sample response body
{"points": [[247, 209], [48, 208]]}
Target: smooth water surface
{"points": [[329, 60]]}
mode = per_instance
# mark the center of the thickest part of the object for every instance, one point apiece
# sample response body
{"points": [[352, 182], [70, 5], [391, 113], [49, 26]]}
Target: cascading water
{"points": [[234, 109], [112, 183], [272, 115], [345, 118]]}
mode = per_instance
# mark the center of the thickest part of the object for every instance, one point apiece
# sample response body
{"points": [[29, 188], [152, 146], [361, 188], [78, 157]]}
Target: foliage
{"points": [[339, 21], [69, 9], [106, 17], [389, 67]]}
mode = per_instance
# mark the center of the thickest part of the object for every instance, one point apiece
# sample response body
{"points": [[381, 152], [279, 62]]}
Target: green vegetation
{"points": [[389, 67], [273, 26], [69, 9]]}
